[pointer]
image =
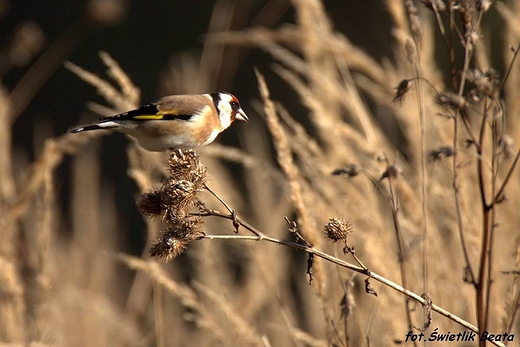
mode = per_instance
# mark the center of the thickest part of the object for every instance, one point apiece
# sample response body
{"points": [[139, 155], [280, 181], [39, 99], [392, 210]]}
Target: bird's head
{"points": [[228, 108]]}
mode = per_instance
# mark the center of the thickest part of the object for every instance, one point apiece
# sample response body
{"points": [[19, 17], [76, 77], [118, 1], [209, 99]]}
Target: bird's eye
{"points": [[235, 106]]}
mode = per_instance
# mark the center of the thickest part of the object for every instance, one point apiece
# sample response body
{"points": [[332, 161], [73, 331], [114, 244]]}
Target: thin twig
{"points": [[336, 261], [506, 180], [259, 236], [230, 210]]}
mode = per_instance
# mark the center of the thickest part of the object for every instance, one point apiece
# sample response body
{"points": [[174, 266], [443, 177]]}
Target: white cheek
{"points": [[225, 115]]}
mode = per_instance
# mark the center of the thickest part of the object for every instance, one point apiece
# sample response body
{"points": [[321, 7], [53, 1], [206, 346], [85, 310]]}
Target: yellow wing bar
{"points": [[149, 116]]}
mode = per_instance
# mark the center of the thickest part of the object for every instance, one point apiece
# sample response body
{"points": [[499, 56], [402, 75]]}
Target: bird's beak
{"points": [[241, 115]]}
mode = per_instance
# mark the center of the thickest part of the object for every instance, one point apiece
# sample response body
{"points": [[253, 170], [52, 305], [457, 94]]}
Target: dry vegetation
{"points": [[438, 212]]}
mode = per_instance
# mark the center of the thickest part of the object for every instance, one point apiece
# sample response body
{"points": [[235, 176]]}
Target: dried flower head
{"points": [[450, 100], [174, 199], [350, 170], [402, 88], [440, 153], [172, 242], [178, 196], [338, 230], [392, 171], [173, 202], [485, 83], [185, 165], [151, 205], [168, 247]]}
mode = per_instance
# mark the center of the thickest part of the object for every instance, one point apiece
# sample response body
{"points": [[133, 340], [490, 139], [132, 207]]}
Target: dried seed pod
{"points": [[350, 170], [440, 153], [338, 230]]}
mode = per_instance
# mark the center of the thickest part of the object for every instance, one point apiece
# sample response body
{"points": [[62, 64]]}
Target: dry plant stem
{"points": [[500, 191], [393, 200], [158, 311], [485, 252], [481, 286], [450, 47], [284, 156], [394, 205], [230, 210], [332, 259], [509, 68], [51, 156], [514, 314], [495, 165], [356, 258], [420, 104], [455, 86], [186, 294], [458, 208]]}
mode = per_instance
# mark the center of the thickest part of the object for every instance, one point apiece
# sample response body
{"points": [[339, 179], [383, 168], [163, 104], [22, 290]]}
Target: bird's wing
{"points": [[151, 112]]}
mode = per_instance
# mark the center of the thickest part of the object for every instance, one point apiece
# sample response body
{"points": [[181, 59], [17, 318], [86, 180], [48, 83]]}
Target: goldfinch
{"points": [[175, 121]]}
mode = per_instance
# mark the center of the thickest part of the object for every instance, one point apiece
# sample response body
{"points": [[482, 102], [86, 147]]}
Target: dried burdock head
{"points": [[392, 171], [402, 88], [168, 246], [185, 165], [450, 100], [173, 200], [151, 205], [440, 153], [172, 242], [338, 230], [506, 146], [179, 195], [435, 5], [350, 170]]}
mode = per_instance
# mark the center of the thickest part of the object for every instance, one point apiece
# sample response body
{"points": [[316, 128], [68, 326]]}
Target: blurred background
{"points": [[74, 265], [152, 41]]}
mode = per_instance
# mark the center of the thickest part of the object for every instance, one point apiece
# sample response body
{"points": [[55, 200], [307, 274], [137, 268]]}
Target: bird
{"points": [[173, 122]]}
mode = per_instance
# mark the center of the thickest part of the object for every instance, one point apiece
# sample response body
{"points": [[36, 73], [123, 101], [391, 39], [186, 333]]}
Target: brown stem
{"points": [[394, 204], [334, 260], [500, 191], [516, 309]]}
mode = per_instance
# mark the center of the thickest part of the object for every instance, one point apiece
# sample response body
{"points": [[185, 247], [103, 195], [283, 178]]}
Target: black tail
{"points": [[86, 128], [102, 125]]}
